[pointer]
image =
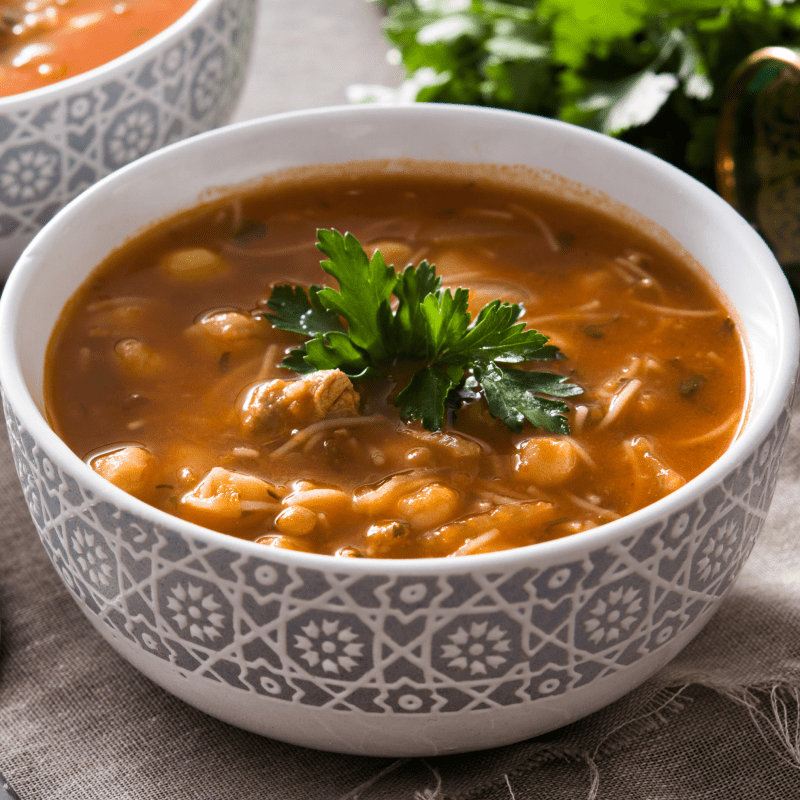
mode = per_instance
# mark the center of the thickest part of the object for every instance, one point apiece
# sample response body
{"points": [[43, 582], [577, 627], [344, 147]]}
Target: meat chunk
{"points": [[277, 407]]}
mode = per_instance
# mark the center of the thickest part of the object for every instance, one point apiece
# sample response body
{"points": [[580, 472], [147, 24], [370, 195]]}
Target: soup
{"points": [[44, 41], [164, 372]]}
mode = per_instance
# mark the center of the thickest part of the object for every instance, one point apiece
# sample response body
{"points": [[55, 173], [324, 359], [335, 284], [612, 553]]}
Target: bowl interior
{"points": [[174, 179]]}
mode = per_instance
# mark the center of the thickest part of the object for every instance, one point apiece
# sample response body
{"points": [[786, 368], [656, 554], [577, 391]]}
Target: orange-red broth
{"points": [[134, 362]]}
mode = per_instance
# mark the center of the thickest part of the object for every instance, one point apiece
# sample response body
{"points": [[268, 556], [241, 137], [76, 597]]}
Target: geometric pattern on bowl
{"points": [[407, 644], [51, 152]]}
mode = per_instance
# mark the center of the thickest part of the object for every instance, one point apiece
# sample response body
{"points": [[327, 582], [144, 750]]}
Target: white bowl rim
{"points": [[758, 425], [74, 84]]}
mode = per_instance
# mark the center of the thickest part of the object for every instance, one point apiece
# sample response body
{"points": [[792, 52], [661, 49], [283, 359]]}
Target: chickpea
{"points": [[349, 552], [429, 506], [138, 359], [482, 528], [193, 264], [546, 461], [296, 520], [110, 316], [382, 538], [419, 457], [233, 324], [222, 498], [130, 468], [283, 542], [379, 500], [320, 500], [232, 331]]}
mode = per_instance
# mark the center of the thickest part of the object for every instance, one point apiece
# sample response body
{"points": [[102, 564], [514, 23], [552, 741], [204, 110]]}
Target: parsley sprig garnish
{"points": [[362, 332]]}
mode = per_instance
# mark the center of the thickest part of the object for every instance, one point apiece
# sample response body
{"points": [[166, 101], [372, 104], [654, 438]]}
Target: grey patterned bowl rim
{"points": [[74, 84], [759, 421]]}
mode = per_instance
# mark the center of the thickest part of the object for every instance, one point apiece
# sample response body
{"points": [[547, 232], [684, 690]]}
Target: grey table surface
{"points": [[307, 52]]}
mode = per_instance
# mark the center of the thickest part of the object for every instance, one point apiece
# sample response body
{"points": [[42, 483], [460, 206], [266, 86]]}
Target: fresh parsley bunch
{"points": [[652, 72], [361, 331]]}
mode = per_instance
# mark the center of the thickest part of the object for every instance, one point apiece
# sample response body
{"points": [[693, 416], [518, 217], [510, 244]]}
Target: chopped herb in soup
{"points": [[473, 368]]}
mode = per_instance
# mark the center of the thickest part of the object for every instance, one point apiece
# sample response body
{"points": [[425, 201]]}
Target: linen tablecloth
{"points": [[721, 722]]}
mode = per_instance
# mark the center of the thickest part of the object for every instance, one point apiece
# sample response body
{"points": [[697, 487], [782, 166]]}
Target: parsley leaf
{"points": [[425, 397], [357, 331], [413, 285], [510, 396], [365, 286], [652, 72], [334, 350], [446, 319], [301, 312], [495, 335]]}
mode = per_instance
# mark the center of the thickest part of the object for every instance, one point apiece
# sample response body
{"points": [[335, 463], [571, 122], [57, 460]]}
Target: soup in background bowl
{"points": [[401, 656], [45, 41], [58, 139]]}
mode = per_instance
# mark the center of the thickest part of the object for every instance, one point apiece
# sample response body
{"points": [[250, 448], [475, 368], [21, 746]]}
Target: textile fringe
{"points": [[430, 794], [354, 794], [424, 794], [775, 712], [657, 711]]}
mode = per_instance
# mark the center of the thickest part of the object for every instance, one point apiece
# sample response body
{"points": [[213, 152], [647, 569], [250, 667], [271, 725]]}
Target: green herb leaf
{"points": [[651, 72], [356, 330], [514, 395], [496, 336], [446, 319], [301, 312], [365, 287], [413, 285], [425, 397], [337, 351], [296, 361]]}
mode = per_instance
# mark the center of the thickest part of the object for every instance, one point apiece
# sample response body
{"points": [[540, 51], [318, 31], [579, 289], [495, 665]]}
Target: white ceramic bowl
{"points": [[57, 140], [575, 623]]}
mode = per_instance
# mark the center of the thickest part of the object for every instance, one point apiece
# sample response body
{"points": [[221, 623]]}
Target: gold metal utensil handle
{"points": [[758, 147]]}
